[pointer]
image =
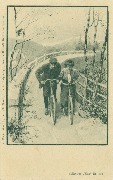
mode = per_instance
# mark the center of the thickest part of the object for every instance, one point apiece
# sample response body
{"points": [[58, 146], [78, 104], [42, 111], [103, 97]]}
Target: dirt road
{"points": [[42, 131]]}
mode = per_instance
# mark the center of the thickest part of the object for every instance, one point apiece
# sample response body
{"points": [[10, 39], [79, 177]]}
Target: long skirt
{"points": [[64, 95]]}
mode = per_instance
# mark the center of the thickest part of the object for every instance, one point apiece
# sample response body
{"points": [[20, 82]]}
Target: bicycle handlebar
{"points": [[68, 83], [50, 80]]}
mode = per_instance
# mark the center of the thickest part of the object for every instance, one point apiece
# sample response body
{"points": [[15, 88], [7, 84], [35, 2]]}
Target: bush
{"points": [[94, 111], [16, 131]]}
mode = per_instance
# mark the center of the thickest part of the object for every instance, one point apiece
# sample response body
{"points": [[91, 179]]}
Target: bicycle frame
{"points": [[52, 101], [70, 103], [51, 80]]}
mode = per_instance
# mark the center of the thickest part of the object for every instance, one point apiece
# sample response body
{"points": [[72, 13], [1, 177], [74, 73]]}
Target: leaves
{"points": [[95, 111]]}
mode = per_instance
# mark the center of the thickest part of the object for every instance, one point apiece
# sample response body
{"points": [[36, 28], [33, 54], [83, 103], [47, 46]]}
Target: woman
{"points": [[68, 75]]}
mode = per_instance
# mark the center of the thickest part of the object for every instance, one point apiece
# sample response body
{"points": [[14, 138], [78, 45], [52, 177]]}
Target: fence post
{"points": [[84, 97], [95, 89]]}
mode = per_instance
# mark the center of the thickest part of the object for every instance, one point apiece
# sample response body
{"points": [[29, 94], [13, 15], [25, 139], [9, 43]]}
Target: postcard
{"points": [[56, 86]]}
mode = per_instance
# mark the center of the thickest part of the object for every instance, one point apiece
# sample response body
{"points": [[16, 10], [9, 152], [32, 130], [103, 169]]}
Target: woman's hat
{"points": [[69, 63]]}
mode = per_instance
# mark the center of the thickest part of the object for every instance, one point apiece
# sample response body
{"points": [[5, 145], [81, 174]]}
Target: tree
{"points": [[96, 20], [103, 55], [19, 44], [88, 25]]}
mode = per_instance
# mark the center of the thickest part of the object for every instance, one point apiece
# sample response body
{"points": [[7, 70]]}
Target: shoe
{"points": [[46, 111]]}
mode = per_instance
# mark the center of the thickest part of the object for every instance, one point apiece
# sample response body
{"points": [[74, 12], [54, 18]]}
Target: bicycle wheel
{"points": [[53, 109], [70, 110]]}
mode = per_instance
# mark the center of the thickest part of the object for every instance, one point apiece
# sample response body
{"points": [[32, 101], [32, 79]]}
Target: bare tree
{"points": [[19, 31], [96, 75], [103, 55], [95, 22], [89, 24]]}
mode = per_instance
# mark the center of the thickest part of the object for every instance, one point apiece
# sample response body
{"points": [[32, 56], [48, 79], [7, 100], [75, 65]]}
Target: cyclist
{"points": [[50, 70], [68, 75]]}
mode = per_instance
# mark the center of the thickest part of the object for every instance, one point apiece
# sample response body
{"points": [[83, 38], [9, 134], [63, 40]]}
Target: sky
{"points": [[54, 25]]}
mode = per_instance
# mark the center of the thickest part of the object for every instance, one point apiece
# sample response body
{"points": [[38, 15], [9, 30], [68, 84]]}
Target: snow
{"points": [[83, 131], [41, 129]]}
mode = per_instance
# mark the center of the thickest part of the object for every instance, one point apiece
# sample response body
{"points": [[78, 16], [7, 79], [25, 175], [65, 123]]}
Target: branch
{"points": [[17, 43], [32, 37], [15, 17], [22, 20], [31, 23], [23, 41], [15, 13], [97, 21], [93, 19], [28, 14], [91, 24], [19, 58]]}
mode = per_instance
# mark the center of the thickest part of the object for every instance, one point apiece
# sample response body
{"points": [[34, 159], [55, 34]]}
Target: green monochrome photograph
{"points": [[57, 75]]}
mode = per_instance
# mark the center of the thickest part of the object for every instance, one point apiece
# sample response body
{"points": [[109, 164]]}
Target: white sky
{"points": [[54, 24]]}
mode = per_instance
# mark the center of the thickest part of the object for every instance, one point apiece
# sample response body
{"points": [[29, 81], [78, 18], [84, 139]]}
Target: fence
{"points": [[22, 92], [86, 88], [90, 91]]}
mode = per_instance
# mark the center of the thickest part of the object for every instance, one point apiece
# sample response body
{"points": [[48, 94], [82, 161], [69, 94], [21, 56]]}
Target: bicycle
{"points": [[70, 103], [52, 101]]}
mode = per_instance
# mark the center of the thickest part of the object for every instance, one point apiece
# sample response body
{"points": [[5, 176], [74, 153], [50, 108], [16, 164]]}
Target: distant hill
{"points": [[71, 45], [31, 49], [66, 45]]}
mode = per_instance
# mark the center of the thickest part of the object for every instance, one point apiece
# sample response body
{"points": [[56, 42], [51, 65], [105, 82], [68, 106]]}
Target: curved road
{"points": [[41, 129]]}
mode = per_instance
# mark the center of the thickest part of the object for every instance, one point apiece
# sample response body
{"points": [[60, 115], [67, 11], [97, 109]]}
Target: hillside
{"points": [[31, 49]]}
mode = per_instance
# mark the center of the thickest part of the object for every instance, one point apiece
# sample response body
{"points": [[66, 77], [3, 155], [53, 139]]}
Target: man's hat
{"points": [[69, 63], [53, 60]]}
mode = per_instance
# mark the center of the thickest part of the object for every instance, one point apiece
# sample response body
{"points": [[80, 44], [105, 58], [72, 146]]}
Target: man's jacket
{"points": [[45, 72]]}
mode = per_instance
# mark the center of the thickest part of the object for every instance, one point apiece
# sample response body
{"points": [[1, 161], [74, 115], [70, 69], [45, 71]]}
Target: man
{"points": [[68, 75], [48, 71]]}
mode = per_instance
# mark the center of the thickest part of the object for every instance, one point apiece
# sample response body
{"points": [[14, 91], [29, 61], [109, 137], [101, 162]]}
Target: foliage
{"points": [[80, 46], [94, 110], [17, 131], [93, 72], [97, 108]]}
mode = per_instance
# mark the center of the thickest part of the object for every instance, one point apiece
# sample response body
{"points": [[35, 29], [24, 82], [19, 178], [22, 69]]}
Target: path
{"points": [[42, 130]]}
